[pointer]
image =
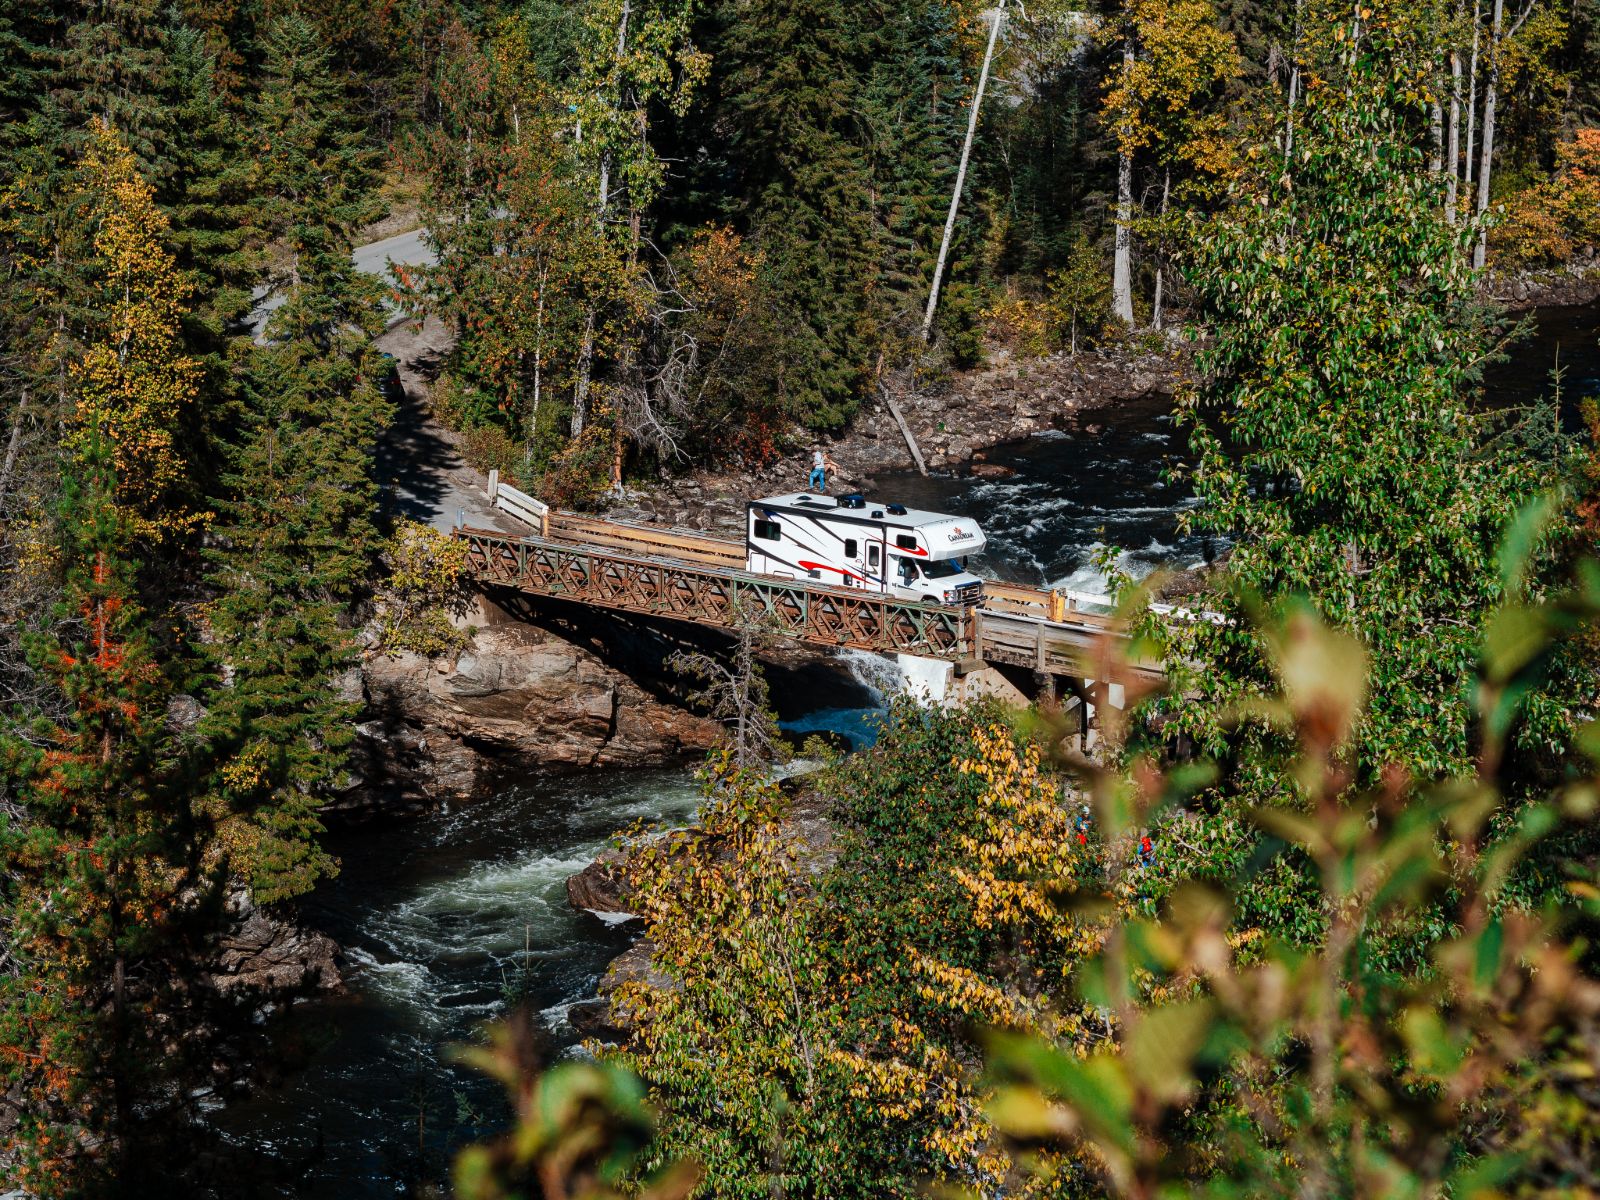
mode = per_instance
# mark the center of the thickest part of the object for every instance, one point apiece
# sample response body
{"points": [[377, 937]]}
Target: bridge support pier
{"points": [[939, 681]]}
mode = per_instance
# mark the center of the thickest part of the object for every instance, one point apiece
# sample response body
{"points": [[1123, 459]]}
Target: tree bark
{"points": [[13, 446], [1467, 166], [580, 390], [1155, 308], [1122, 262], [1294, 84], [1452, 151], [1486, 164], [538, 373]]}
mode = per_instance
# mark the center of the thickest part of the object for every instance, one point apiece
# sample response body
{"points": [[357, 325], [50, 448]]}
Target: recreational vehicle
{"points": [[848, 541]]}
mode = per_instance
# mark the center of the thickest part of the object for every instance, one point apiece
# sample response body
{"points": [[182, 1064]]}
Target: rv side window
{"points": [[851, 547], [768, 531], [906, 541], [872, 557]]}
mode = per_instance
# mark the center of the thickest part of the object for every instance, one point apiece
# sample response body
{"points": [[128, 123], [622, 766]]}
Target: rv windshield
{"points": [[942, 569]]}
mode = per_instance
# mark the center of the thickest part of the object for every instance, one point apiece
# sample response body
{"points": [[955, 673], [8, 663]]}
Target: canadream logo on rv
{"points": [[959, 534]]}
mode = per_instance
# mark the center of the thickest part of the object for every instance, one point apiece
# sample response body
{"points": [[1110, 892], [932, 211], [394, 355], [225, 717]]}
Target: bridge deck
{"points": [[691, 577]]}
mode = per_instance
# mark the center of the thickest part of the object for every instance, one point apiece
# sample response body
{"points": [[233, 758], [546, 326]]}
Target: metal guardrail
{"points": [[718, 596]]}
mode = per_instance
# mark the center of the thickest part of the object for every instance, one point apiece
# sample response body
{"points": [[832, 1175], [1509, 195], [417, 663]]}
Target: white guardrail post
{"points": [[519, 504]]}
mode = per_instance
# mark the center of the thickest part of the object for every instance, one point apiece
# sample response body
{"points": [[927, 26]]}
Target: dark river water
{"points": [[440, 918], [444, 916]]}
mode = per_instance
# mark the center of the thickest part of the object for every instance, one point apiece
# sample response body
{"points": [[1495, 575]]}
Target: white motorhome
{"points": [[848, 541]]}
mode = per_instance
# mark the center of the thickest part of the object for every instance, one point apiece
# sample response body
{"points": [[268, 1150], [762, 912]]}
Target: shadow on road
{"points": [[415, 461], [424, 476]]}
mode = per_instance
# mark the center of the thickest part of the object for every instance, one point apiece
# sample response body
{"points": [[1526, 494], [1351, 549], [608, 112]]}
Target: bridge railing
{"points": [[718, 596], [519, 504]]}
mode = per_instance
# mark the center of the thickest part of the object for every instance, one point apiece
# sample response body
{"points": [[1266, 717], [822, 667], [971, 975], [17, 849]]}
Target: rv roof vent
{"points": [[877, 514], [898, 510], [853, 500]]}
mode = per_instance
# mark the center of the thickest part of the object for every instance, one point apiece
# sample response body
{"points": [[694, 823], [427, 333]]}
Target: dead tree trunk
{"points": [[961, 173], [1122, 262], [1486, 166]]}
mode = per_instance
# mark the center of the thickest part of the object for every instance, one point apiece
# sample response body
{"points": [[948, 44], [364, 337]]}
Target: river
{"points": [[443, 916]]}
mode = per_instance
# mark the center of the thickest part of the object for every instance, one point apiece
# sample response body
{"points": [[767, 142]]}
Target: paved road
{"points": [[425, 478], [404, 249]]}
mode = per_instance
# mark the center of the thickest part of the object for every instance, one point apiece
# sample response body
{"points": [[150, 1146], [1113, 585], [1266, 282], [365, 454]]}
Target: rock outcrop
{"points": [[518, 699], [600, 888], [606, 1018], [261, 957]]}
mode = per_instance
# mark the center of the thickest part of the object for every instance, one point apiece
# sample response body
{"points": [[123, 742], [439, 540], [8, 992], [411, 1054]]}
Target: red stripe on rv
{"points": [[813, 566]]}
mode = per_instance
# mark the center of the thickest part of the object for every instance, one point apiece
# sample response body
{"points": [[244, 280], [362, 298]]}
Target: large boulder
{"points": [[600, 887]]}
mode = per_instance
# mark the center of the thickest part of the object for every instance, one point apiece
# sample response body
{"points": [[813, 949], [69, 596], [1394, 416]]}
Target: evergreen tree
{"points": [[113, 67], [96, 864], [914, 105], [297, 541], [26, 28], [206, 184], [316, 190], [793, 72], [96, 846]]}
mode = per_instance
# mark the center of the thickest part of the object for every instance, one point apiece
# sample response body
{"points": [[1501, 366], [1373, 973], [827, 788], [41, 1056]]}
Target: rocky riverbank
{"points": [[1576, 283]]}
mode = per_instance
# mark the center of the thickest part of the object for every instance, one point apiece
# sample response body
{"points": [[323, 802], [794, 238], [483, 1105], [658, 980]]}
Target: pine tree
{"points": [[96, 864], [913, 107], [26, 29], [113, 67], [297, 539], [206, 185], [316, 187], [792, 73]]}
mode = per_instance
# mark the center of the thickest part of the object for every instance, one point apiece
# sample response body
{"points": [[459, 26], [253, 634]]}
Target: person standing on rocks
{"points": [[821, 464]]}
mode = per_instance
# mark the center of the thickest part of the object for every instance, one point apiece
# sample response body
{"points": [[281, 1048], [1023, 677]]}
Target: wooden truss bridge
{"points": [[688, 576]]}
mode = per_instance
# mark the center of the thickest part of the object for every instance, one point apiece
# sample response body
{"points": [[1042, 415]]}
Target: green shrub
{"points": [[427, 585]]}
